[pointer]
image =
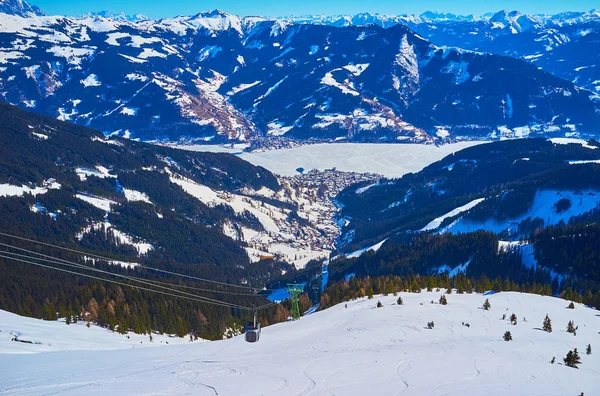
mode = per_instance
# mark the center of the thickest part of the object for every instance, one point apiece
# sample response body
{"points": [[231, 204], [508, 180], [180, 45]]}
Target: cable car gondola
{"points": [[252, 330]]}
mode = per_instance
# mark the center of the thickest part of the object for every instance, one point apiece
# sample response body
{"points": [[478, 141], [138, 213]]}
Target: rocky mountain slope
{"points": [[564, 44]]}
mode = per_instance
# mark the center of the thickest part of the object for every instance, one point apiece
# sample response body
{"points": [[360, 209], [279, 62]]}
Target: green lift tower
{"points": [[295, 291]]}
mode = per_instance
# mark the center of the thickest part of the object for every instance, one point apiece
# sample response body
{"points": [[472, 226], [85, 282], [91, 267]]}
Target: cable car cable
{"points": [[139, 265], [185, 295], [127, 276]]}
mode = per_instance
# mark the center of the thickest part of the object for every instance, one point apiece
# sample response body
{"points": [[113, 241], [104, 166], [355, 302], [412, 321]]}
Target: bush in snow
{"points": [[588, 350], [513, 319], [400, 301], [430, 325], [571, 306], [379, 304], [507, 336]]}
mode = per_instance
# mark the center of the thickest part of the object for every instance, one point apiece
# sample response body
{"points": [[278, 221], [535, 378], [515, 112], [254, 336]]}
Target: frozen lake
{"points": [[391, 160]]}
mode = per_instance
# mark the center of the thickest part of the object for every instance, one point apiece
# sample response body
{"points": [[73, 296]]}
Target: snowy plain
{"points": [[390, 160], [359, 350]]}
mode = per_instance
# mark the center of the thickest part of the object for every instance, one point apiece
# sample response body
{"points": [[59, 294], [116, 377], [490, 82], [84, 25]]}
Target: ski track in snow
{"points": [[357, 350]]}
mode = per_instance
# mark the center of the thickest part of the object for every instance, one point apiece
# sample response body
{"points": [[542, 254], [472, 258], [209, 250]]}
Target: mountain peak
{"points": [[19, 8], [121, 17]]}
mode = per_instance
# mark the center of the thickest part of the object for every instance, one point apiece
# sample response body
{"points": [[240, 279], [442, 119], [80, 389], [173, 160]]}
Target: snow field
{"points": [[52, 336], [359, 350]]}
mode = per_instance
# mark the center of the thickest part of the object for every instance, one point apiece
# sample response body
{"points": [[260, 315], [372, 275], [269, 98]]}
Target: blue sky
{"points": [[166, 8]]}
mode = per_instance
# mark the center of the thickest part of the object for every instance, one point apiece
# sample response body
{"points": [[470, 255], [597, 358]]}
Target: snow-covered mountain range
{"points": [[216, 77]]}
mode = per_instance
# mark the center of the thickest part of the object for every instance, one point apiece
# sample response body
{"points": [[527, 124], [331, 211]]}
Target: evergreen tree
{"points": [[513, 319], [588, 350], [571, 306], [571, 327], [379, 304], [547, 324], [576, 356], [443, 300], [570, 360], [507, 336], [50, 313], [400, 301], [487, 305]]}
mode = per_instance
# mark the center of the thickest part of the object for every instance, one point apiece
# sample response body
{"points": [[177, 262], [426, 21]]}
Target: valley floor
{"points": [[390, 160], [359, 350]]}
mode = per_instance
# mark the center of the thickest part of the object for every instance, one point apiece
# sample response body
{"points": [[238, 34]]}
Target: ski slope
{"points": [[359, 350], [52, 336]]}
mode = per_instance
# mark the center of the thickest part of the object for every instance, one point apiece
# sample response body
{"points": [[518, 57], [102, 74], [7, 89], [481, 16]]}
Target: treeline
{"points": [[567, 258], [342, 290], [420, 254], [45, 293], [571, 249]]}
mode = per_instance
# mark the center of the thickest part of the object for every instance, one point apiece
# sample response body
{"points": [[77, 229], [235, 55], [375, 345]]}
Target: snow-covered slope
{"points": [[359, 350], [543, 207], [564, 44], [21, 335]]}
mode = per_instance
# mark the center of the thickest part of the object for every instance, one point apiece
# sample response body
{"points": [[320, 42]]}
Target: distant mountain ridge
{"points": [[216, 77]]}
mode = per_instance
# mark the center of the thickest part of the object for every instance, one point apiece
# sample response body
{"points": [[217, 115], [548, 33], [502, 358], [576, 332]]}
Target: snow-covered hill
{"points": [[357, 350], [20, 335]]}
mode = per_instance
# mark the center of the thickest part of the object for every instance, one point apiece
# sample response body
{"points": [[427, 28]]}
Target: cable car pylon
{"points": [[295, 290]]}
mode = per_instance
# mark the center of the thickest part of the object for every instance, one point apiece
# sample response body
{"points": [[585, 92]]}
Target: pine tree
{"points": [[571, 306], [588, 350], [513, 319], [400, 301], [507, 336], [379, 304], [487, 305], [571, 327], [547, 324], [443, 300], [570, 360], [576, 356]]}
